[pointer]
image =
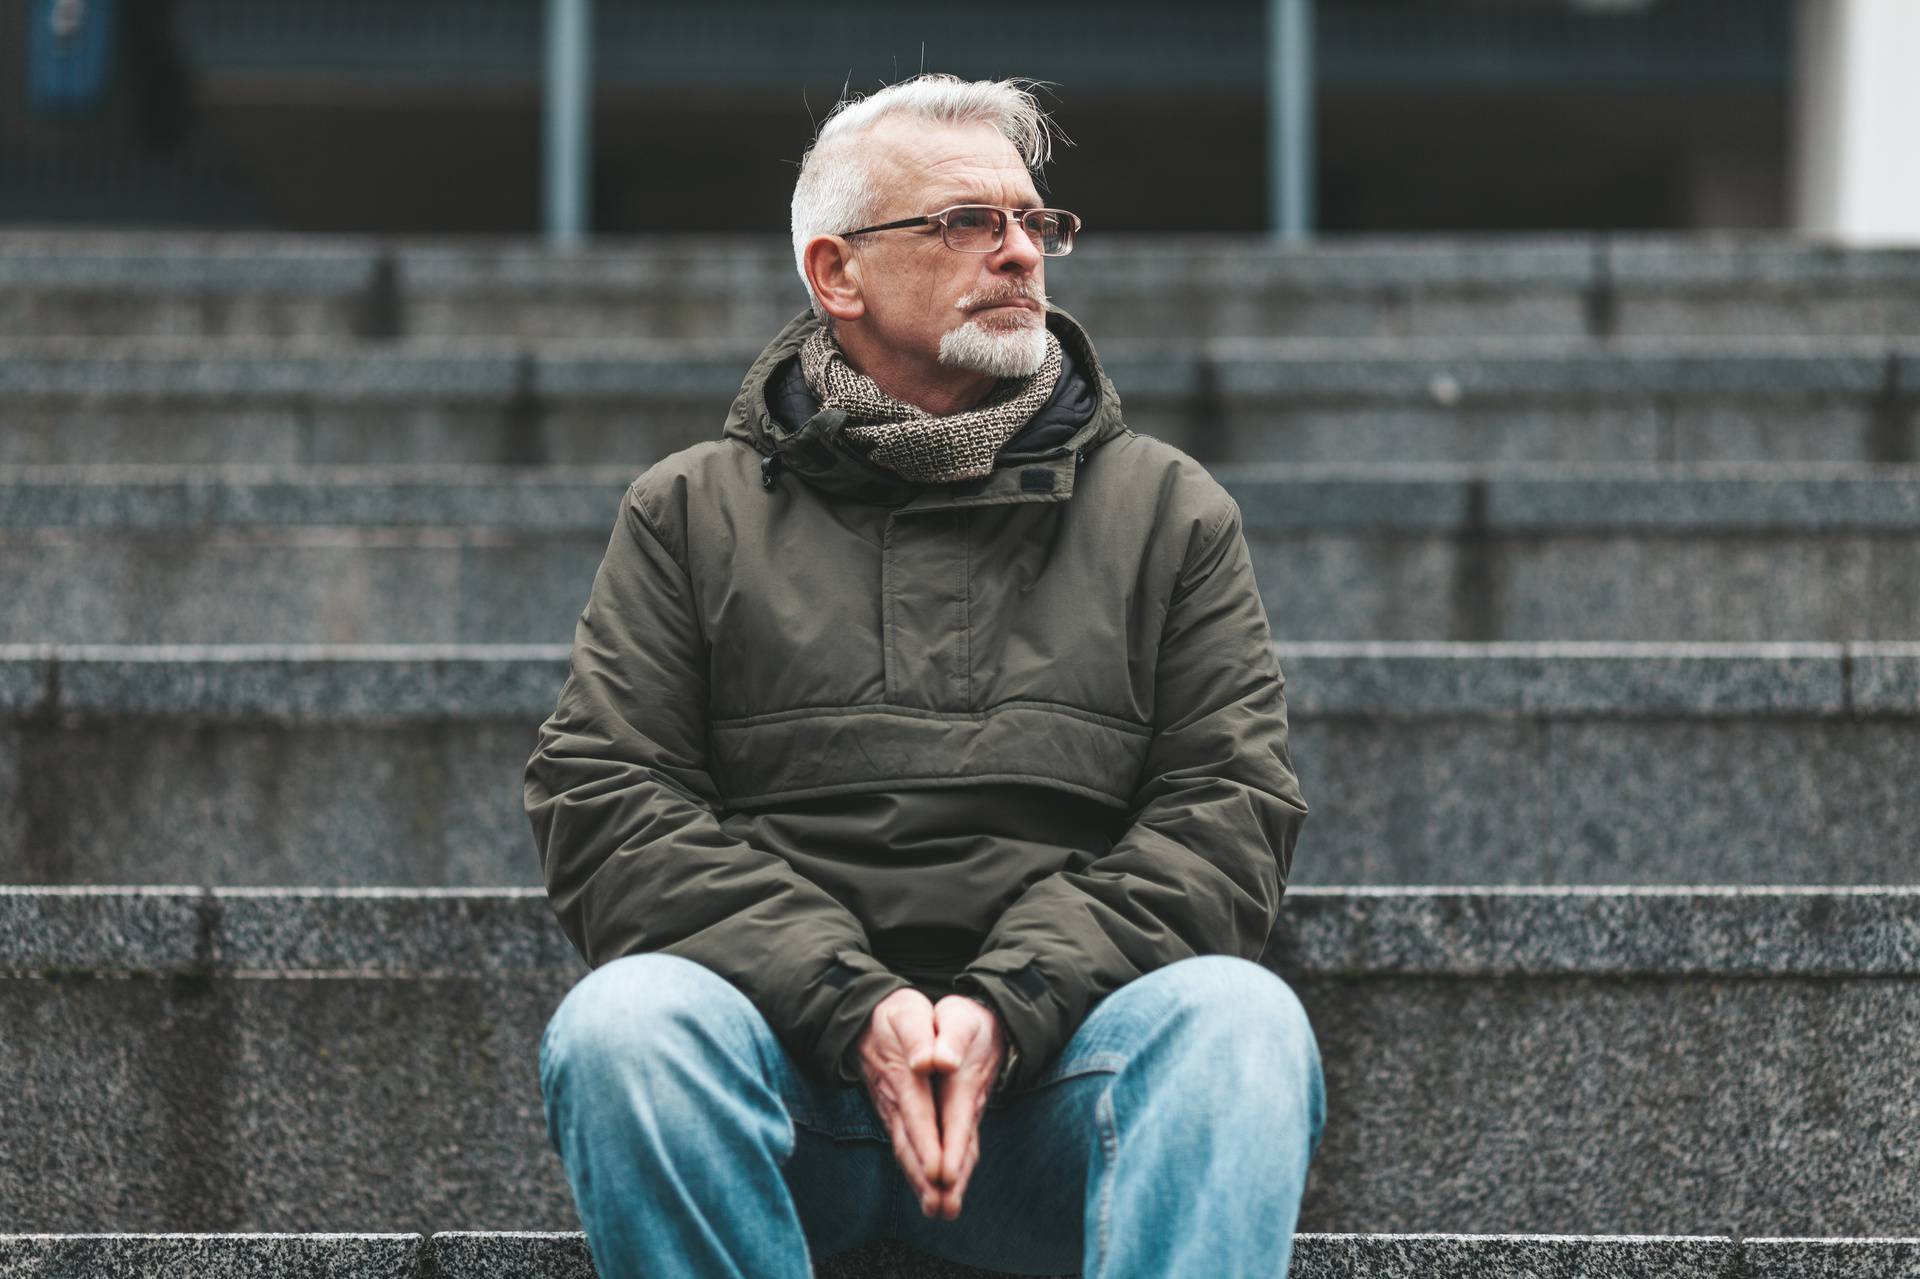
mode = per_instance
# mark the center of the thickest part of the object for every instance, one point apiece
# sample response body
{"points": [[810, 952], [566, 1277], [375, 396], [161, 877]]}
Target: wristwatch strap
{"points": [[1009, 1060]]}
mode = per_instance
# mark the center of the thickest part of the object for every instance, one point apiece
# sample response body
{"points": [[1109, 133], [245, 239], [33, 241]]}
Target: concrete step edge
{"points": [[1531, 499], [1450, 372], [318, 682], [1709, 932], [563, 1255]]}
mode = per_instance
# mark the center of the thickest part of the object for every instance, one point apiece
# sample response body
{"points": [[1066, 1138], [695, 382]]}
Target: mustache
{"points": [[1014, 293]]}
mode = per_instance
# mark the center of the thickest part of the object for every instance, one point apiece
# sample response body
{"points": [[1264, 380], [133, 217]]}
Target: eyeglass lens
{"points": [[980, 228]]}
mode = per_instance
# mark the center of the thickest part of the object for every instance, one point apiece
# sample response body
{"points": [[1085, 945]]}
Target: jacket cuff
{"points": [[863, 982], [1007, 980]]}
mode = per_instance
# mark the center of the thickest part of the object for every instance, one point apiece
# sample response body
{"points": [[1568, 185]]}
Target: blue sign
{"points": [[69, 55]]}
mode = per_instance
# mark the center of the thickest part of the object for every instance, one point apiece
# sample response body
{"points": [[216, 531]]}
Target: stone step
{"points": [[1422, 763], [495, 401], [744, 288], [1680, 1061], [1523, 552], [563, 1255]]}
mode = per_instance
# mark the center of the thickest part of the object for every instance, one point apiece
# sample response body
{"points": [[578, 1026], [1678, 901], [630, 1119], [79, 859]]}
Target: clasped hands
{"points": [[929, 1068]]}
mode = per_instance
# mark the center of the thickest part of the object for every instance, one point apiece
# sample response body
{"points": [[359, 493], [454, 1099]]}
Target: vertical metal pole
{"points": [[1290, 158], [569, 120]]}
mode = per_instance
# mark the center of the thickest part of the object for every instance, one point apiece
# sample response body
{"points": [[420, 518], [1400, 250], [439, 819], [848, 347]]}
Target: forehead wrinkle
{"points": [[979, 185], [949, 198], [985, 172]]}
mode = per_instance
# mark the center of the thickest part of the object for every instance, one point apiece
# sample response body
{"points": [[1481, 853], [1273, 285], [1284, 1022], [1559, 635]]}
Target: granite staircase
{"points": [[1593, 565]]}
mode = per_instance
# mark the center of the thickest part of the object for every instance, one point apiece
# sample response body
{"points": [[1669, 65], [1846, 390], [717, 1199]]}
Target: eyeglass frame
{"points": [[1019, 215]]}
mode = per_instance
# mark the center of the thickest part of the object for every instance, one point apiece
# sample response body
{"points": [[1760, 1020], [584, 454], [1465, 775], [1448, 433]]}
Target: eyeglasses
{"points": [[982, 228]]}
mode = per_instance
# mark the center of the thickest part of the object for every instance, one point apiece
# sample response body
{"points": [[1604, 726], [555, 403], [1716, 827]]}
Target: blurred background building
{"points": [[427, 116]]}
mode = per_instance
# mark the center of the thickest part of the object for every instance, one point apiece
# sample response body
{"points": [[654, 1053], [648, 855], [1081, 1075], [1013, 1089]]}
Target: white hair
{"points": [[833, 192], [1017, 352]]}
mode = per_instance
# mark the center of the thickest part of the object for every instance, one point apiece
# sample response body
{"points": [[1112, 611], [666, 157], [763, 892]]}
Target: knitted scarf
{"points": [[907, 439]]}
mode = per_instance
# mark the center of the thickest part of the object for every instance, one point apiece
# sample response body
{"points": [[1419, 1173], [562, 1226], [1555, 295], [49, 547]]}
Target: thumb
{"points": [[946, 1050], [919, 1051]]}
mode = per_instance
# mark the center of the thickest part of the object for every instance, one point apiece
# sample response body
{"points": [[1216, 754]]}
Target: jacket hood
{"points": [[777, 416]]}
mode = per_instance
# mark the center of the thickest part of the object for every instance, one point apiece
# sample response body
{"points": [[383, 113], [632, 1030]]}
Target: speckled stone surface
{"points": [[1429, 763], [511, 400], [304, 683], [1515, 498], [212, 1256], [192, 283], [269, 801], [563, 1255], [468, 585], [1511, 1257], [172, 260], [1639, 587], [433, 933], [1721, 932], [1459, 372], [509, 1255], [406, 554], [1744, 284], [1833, 1258], [185, 1102], [1728, 497], [1565, 498], [211, 373], [490, 555], [1563, 678], [57, 931], [1596, 1104], [1766, 264], [1599, 1060], [1597, 1257], [1340, 679], [126, 500], [25, 672], [1886, 677], [1492, 800]]}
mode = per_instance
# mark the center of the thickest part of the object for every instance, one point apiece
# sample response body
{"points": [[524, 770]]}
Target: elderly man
{"points": [[919, 794]]}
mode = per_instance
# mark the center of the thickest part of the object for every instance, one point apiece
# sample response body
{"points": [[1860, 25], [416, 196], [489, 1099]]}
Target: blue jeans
{"points": [[1168, 1140]]}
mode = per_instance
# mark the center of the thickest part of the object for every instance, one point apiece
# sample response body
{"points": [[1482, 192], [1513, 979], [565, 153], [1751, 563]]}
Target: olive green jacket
{"points": [[830, 732]]}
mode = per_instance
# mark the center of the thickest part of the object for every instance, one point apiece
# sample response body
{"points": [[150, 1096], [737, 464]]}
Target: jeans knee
{"points": [[626, 1011], [1227, 1001]]}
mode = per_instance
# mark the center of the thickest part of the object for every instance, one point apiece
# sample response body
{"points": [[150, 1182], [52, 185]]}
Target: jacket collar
{"points": [[1031, 467]]}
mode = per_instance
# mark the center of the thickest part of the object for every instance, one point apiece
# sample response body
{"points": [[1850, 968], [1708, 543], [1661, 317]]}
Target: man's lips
{"points": [[1020, 304]]}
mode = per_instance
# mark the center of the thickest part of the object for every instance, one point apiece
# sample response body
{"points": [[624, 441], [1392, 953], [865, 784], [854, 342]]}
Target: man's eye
{"points": [[969, 219]]}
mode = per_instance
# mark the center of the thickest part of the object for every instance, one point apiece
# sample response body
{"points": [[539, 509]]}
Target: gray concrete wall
{"points": [[1599, 1061], [1439, 763]]}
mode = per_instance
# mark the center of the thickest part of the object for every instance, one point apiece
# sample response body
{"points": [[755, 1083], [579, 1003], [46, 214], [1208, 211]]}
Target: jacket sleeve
{"points": [[624, 813], [1202, 865]]}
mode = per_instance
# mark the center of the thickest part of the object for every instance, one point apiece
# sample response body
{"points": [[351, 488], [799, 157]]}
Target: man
{"points": [[920, 791]]}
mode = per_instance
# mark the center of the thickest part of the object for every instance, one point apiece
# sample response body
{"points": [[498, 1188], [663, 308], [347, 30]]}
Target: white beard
{"points": [[1000, 352]]}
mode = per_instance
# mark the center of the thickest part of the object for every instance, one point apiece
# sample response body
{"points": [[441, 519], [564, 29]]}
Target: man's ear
{"points": [[834, 273]]}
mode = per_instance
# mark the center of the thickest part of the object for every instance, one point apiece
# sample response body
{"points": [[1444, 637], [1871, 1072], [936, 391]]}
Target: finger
{"points": [[956, 1193], [966, 1169], [912, 1026], [916, 1174], [948, 1049], [922, 1123], [903, 1151], [959, 1116], [914, 1089], [960, 1152]]}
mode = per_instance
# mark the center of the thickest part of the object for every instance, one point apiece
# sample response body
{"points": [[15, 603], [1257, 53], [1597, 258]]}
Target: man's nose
{"points": [[1018, 251]]}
